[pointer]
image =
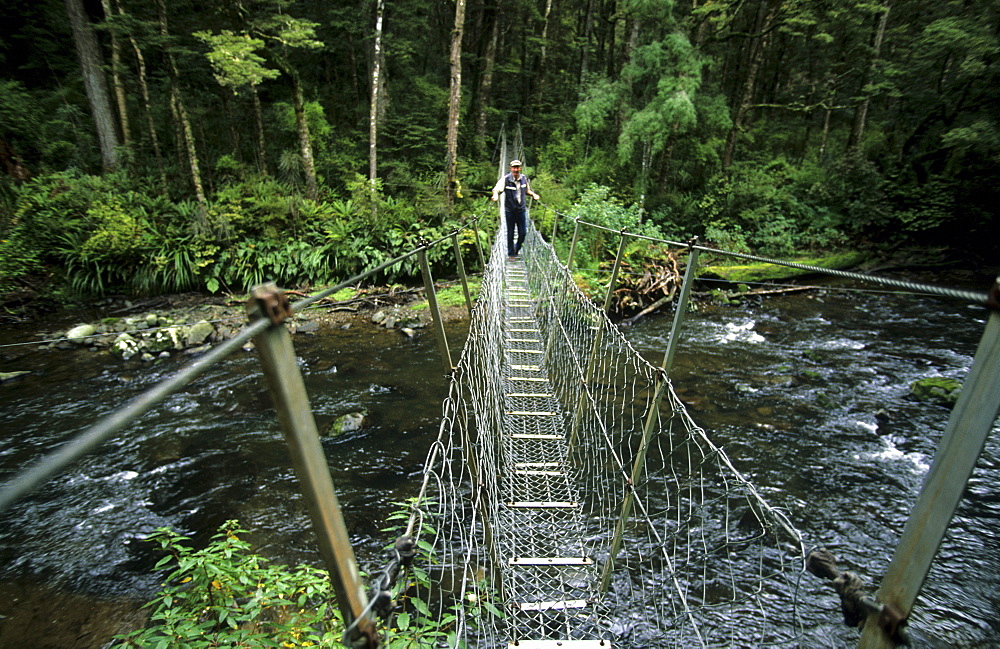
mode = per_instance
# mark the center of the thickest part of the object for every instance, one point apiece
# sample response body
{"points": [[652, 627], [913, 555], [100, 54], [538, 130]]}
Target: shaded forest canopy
{"points": [[159, 146]]}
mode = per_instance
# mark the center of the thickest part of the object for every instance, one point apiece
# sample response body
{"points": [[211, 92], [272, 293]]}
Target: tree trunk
{"points": [[94, 83], [588, 28], [861, 111], [373, 114], [758, 46], [116, 80], [454, 106], [543, 57], [183, 122], [258, 115], [826, 134], [148, 106], [486, 82], [305, 139]]}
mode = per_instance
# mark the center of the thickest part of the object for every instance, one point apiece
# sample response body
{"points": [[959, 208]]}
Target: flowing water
{"points": [[808, 394]]}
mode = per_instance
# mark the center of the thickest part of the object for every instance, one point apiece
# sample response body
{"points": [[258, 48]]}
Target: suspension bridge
{"points": [[577, 482], [570, 500]]}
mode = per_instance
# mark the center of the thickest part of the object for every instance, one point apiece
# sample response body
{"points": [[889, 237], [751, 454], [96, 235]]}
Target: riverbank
{"points": [[155, 328]]}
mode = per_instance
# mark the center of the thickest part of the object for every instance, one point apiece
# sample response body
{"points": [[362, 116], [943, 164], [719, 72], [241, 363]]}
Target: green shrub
{"points": [[225, 596]]}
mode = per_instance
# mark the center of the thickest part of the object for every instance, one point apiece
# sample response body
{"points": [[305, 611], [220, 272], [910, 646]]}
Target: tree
{"points": [[454, 106], [237, 66], [861, 111], [651, 102], [183, 123], [94, 82], [378, 62]]}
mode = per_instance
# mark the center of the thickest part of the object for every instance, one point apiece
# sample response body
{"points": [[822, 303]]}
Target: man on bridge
{"points": [[514, 186]]}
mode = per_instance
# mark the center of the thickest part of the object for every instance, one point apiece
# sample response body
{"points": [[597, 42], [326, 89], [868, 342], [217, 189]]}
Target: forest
{"points": [[153, 146]]}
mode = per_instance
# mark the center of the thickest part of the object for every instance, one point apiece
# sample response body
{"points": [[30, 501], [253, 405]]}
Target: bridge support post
{"points": [[968, 427], [682, 305], [652, 418], [638, 466], [442, 340], [284, 380], [461, 271], [572, 246], [479, 245]]}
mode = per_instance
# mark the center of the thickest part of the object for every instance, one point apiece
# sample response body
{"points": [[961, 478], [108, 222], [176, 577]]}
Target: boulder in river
{"points": [[199, 333], [938, 389], [78, 334], [348, 423]]}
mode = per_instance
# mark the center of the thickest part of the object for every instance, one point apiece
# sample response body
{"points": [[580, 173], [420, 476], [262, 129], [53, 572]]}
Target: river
{"points": [[807, 393]]}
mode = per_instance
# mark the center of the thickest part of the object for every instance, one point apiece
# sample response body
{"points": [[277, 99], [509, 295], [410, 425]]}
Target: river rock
{"points": [[379, 317], [199, 333], [938, 389], [348, 423], [408, 332], [125, 346], [10, 376], [78, 334], [164, 340]]}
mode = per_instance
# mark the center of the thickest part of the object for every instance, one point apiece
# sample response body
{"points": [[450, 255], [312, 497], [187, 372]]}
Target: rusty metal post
{"points": [[461, 271], [442, 340], [274, 345], [970, 424]]}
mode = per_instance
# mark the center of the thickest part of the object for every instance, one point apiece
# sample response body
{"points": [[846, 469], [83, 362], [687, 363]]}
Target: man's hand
{"points": [[495, 197]]}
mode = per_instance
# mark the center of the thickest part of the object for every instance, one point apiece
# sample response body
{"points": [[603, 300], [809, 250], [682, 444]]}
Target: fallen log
{"points": [[652, 307]]}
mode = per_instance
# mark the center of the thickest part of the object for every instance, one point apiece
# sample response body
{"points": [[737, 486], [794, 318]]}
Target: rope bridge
{"points": [[571, 501]]}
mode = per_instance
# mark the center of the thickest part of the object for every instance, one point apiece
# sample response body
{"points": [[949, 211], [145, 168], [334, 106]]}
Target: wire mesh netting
{"points": [[571, 498]]}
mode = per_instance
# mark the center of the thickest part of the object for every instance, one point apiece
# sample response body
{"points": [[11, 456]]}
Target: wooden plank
{"points": [[535, 436], [532, 413], [529, 395], [543, 505], [551, 561], [559, 644], [553, 606]]}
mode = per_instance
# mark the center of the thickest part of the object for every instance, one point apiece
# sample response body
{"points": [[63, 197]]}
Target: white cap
{"points": [[515, 163]]}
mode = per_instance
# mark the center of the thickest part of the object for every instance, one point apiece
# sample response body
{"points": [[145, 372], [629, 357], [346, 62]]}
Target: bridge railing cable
{"points": [[973, 297]]}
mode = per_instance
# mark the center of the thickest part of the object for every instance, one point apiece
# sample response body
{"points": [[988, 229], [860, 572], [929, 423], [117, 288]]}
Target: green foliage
{"points": [[225, 596], [597, 206], [426, 616], [235, 60]]}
